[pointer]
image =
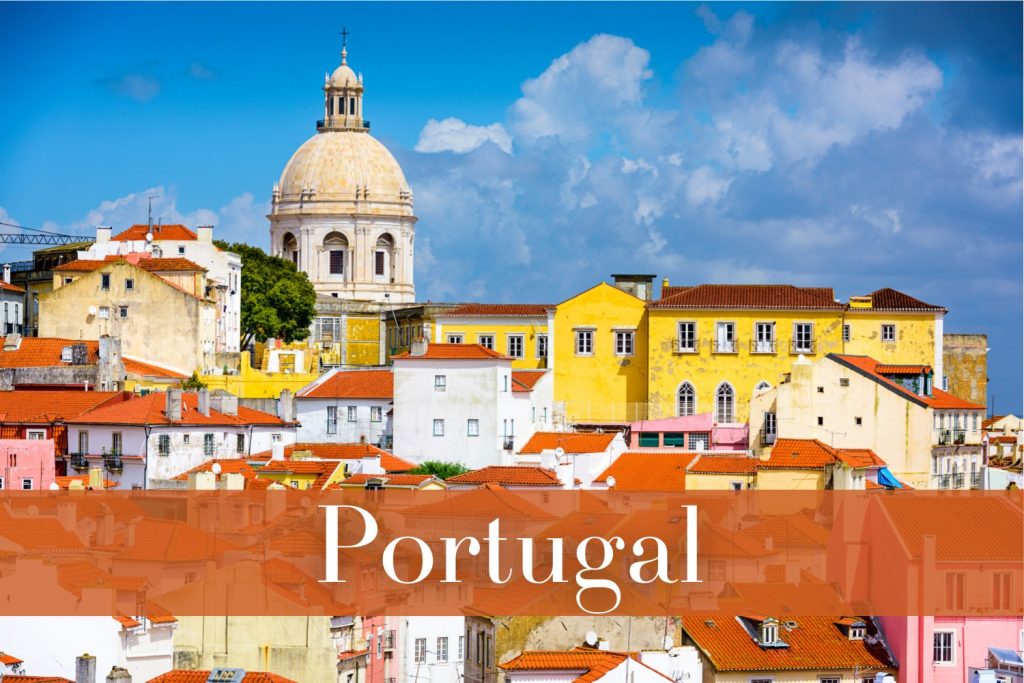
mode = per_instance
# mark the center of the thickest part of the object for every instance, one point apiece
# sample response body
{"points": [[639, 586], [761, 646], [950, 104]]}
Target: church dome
{"points": [[343, 171], [343, 77]]}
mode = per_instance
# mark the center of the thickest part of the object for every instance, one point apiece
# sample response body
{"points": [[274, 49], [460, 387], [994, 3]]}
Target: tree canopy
{"points": [[277, 300], [441, 470]]}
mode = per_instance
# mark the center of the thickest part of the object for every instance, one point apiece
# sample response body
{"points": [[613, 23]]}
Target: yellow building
{"points": [[303, 474], [516, 330], [289, 368], [893, 327], [599, 356]]}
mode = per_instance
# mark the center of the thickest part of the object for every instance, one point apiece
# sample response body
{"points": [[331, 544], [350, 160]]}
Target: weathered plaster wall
{"points": [[965, 359]]}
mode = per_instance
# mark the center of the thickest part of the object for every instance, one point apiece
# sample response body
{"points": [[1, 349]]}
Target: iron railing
{"points": [[112, 461], [762, 346], [79, 462], [949, 437], [723, 345], [801, 346]]}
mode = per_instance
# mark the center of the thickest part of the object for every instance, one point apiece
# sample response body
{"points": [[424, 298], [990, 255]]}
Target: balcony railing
{"points": [[508, 443], [79, 462], [796, 347], [943, 481], [975, 480], [112, 462], [723, 345], [767, 439], [762, 346], [389, 641], [956, 481], [951, 437]]}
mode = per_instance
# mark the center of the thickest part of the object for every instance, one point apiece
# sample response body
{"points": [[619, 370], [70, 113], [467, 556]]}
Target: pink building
{"points": [[691, 432], [26, 464], [381, 635]]}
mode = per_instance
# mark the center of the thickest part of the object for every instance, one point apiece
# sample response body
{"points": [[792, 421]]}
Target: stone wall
{"points": [[965, 361]]}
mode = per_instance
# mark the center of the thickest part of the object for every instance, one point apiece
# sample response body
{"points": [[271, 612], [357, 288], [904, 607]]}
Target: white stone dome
{"points": [[344, 77], [343, 170]]}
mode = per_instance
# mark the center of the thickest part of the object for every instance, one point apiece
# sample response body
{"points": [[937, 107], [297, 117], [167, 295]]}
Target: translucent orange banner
{"points": [[497, 552]]}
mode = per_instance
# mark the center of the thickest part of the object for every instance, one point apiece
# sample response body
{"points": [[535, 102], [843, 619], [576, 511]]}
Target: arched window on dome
{"points": [[336, 251], [290, 248], [686, 400], [725, 403], [383, 259]]}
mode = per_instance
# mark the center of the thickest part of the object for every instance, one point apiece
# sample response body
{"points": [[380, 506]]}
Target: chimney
{"points": [[204, 233], [96, 478], [7, 273], [85, 669], [12, 342], [664, 284], [223, 402], [286, 406], [119, 675], [640, 286], [103, 234], [418, 347], [172, 410], [204, 402], [202, 481], [277, 451], [66, 516]]}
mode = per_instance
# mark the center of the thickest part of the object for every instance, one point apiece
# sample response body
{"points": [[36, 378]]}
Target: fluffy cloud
{"points": [[454, 135], [137, 86]]}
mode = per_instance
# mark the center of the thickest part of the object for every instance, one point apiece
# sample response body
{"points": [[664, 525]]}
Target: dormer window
{"points": [[857, 632], [769, 632]]}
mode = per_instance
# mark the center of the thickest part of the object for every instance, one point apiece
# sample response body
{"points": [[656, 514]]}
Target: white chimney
{"points": [[204, 233], [85, 669], [103, 234], [418, 347], [7, 273], [277, 451]]}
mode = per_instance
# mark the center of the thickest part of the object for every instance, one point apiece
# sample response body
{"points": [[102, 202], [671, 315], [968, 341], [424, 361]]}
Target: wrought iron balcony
{"points": [[389, 641], [949, 437], [763, 346], [943, 481], [976, 480], [508, 443], [724, 345], [112, 462], [796, 347], [79, 462], [957, 481]]}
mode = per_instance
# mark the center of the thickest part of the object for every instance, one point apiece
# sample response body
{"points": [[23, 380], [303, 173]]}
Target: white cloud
{"points": [[705, 186], [201, 72], [136, 86], [455, 135]]}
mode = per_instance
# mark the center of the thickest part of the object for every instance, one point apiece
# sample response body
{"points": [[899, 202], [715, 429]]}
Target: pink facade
{"points": [[381, 636], [26, 464], [685, 432], [913, 642]]}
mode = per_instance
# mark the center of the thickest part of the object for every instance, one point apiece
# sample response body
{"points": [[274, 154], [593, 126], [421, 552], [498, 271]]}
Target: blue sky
{"points": [[852, 145]]}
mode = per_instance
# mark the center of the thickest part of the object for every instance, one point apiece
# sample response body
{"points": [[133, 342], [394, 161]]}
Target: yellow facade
{"points": [[718, 482], [604, 385], [302, 480], [790, 480], [915, 336], [500, 330], [253, 383], [706, 369]]}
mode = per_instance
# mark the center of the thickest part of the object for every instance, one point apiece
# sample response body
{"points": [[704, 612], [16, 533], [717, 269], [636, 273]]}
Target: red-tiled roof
{"points": [[888, 299], [454, 352], [11, 678], [65, 482], [37, 533], [499, 310], [343, 451], [199, 676], [39, 407], [159, 540], [570, 442], [649, 471], [723, 464], [869, 368], [352, 384], [509, 475], [323, 469], [152, 265], [352, 654], [45, 352], [173, 231], [227, 466], [8, 287], [414, 480], [149, 410], [9, 659], [140, 369], [799, 454], [859, 457], [750, 297], [525, 380], [815, 643], [903, 369], [591, 664]]}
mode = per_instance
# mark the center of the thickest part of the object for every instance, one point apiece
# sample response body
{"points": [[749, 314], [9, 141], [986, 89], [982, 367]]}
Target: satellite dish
{"points": [[216, 468], [54, 486], [559, 452], [149, 237], [611, 481], [92, 310], [591, 638]]}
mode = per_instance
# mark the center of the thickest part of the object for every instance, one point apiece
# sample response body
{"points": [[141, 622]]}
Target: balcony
{"points": [[112, 462], [943, 481], [956, 481], [767, 439], [389, 641], [976, 481], [723, 345], [951, 437], [802, 346], [508, 443], [79, 462], [763, 346]]}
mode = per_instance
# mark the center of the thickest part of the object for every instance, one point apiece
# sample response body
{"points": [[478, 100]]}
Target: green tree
{"points": [[441, 470], [193, 383], [277, 300]]}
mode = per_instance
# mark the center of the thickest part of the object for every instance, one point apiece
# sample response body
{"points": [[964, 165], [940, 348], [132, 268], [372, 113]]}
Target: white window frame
{"points": [[35, 434], [951, 662], [1, 483], [472, 427], [438, 427], [797, 347], [441, 655], [26, 483], [764, 343], [888, 339], [376, 414], [542, 346], [519, 342], [681, 338], [332, 419], [725, 336], [419, 651], [352, 413], [718, 407], [692, 396], [486, 341], [625, 342], [440, 383], [456, 338], [104, 313], [583, 342]]}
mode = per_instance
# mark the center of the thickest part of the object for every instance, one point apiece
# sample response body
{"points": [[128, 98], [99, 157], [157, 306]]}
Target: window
{"points": [[515, 345], [1001, 591], [207, 444], [974, 422], [129, 284], [830, 679], [376, 414], [859, 421], [698, 441], [68, 280], [104, 313], [725, 337], [332, 419], [584, 342], [438, 427], [239, 443], [542, 346], [181, 251], [650, 439], [442, 650], [1, 483], [770, 428], [955, 587], [687, 336], [486, 341], [844, 381], [686, 400], [769, 632], [378, 263], [472, 427], [105, 281], [624, 343], [821, 421], [123, 310], [83, 442], [461, 652], [803, 338], [116, 442], [419, 653], [163, 444], [762, 386], [942, 647], [440, 382], [857, 632], [716, 570], [889, 333], [846, 333], [455, 338], [26, 484], [336, 262], [764, 337], [353, 414], [480, 647], [725, 399], [35, 434]]}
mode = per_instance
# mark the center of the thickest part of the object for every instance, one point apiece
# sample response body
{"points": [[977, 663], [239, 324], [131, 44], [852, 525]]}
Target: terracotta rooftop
{"points": [[200, 676], [149, 410], [227, 466], [570, 442], [869, 367], [38, 407], [510, 475], [723, 464], [8, 287], [172, 231], [65, 482], [750, 297], [161, 540], [152, 265], [45, 352], [912, 370], [525, 380], [649, 471], [12, 678], [454, 352], [402, 480], [499, 310], [343, 451], [9, 659], [591, 664], [888, 299], [352, 384], [323, 469]]}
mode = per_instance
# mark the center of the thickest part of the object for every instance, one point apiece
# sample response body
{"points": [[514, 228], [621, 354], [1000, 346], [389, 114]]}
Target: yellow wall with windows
{"points": [[915, 337], [362, 340], [601, 387], [706, 369], [253, 383], [500, 329], [718, 482], [790, 480]]}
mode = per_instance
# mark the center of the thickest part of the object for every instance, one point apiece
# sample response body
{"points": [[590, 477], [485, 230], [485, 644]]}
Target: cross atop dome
{"points": [[344, 44]]}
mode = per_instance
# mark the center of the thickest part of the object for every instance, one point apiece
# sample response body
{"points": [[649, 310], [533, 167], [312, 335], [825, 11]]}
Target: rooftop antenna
{"points": [[149, 229]]}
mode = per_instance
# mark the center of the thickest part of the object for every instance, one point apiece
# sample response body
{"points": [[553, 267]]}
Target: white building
{"points": [[461, 402], [13, 299], [603, 666], [148, 440], [342, 210], [578, 458], [346, 406], [224, 269]]}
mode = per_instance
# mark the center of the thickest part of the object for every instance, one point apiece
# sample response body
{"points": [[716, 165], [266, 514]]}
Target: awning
{"points": [[885, 478]]}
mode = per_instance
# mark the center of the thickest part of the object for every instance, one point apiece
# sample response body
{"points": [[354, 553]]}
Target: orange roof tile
{"points": [[65, 482], [149, 410], [39, 407], [903, 369], [484, 501], [454, 352], [570, 442], [510, 475], [200, 676], [352, 384], [723, 464], [799, 454], [227, 466], [749, 297], [152, 265], [815, 643], [37, 533], [649, 471], [859, 457], [38, 352], [525, 380], [342, 451], [8, 287], [157, 540], [498, 310], [403, 480], [141, 369], [11, 678], [591, 664], [888, 299], [172, 231], [9, 659], [868, 367], [323, 469]]}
